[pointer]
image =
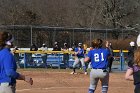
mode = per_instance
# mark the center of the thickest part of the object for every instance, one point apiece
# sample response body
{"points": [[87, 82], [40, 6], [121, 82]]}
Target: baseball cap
{"points": [[132, 43], [55, 43], [138, 40], [43, 44], [65, 43], [79, 44]]}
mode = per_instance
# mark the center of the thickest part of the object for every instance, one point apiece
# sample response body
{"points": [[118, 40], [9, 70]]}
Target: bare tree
{"points": [[118, 14], [105, 14]]}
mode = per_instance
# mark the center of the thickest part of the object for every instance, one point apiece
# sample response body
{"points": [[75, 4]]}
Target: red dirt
{"points": [[57, 81]]}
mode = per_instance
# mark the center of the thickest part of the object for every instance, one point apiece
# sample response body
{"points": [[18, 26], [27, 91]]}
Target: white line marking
{"points": [[48, 88], [21, 90]]}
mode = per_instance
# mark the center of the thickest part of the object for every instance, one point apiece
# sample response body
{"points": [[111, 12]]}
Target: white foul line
{"points": [[20, 90], [48, 88]]}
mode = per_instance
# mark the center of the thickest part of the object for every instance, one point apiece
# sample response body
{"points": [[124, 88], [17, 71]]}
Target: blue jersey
{"points": [[7, 67], [99, 58], [80, 53]]}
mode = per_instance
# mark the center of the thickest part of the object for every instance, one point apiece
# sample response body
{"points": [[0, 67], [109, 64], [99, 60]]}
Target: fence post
{"points": [[24, 60], [59, 60], [121, 60]]}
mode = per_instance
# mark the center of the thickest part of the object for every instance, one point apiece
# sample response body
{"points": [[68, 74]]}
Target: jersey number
{"points": [[98, 58]]}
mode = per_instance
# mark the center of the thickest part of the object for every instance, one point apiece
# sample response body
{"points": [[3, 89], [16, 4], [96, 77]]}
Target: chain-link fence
{"points": [[25, 35]]}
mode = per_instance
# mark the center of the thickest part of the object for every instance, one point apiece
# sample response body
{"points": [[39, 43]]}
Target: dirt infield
{"points": [[60, 81]]}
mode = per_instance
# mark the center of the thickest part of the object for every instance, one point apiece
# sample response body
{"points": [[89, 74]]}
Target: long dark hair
{"points": [[4, 36]]}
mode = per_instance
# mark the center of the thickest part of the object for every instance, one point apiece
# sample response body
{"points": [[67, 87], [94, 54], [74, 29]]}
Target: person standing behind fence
{"points": [[44, 55], [32, 48], [8, 73], [89, 63], [79, 57], [73, 46], [131, 50], [133, 71], [66, 55], [56, 47], [111, 58], [99, 63], [16, 55]]}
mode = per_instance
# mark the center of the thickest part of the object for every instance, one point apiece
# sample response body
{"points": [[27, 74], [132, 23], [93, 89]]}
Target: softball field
{"points": [[61, 81]]}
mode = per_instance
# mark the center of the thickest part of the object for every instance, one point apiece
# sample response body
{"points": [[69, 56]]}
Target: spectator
{"points": [[16, 55], [66, 55], [85, 54], [32, 48], [73, 46], [89, 63], [44, 55], [85, 48], [56, 47], [111, 58], [131, 50]]}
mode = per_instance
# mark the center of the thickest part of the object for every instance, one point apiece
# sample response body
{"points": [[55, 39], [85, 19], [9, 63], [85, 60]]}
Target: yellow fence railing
{"points": [[42, 52], [120, 50], [49, 51]]}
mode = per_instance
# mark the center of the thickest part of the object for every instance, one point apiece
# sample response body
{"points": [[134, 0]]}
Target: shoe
{"points": [[86, 73], [73, 73]]}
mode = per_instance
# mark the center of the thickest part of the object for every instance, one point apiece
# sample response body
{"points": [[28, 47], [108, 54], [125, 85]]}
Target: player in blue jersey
{"points": [[8, 73], [79, 57], [99, 64]]}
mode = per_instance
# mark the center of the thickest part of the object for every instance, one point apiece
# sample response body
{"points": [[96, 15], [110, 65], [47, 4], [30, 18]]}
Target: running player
{"points": [[79, 57], [133, 71], [99, 63]]}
